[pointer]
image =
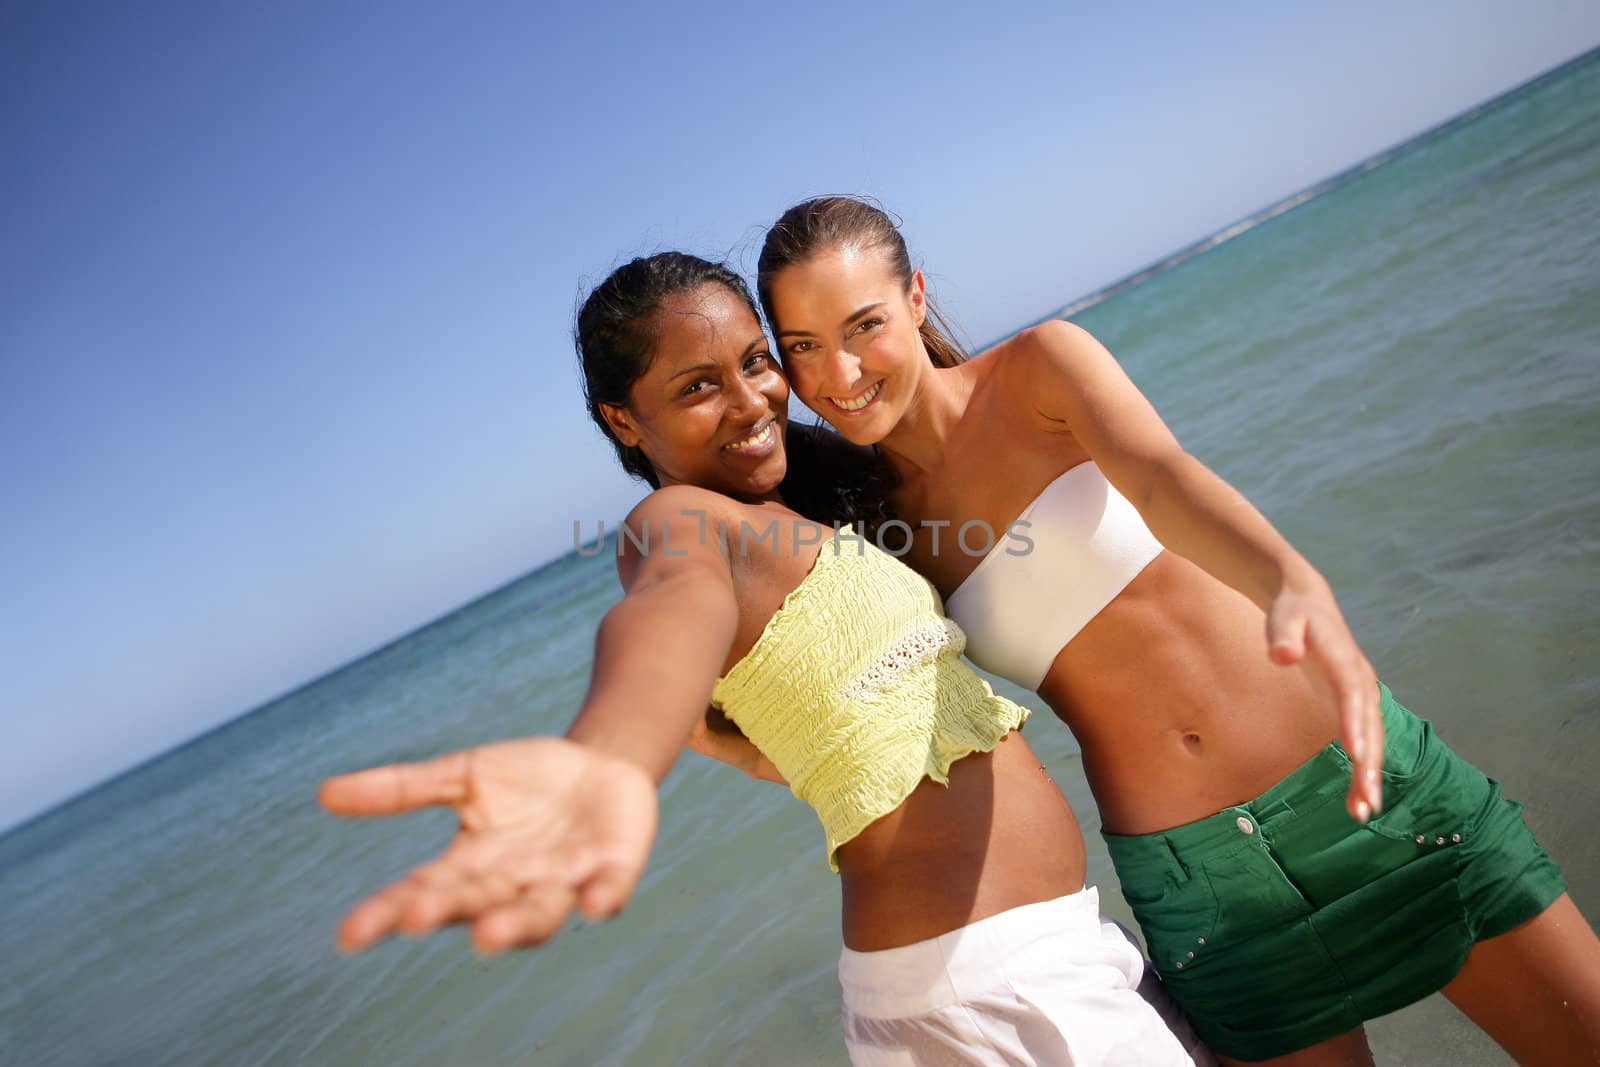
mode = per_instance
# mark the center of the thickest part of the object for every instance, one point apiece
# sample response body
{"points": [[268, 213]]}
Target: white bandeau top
{"points": [[1022, 605]]}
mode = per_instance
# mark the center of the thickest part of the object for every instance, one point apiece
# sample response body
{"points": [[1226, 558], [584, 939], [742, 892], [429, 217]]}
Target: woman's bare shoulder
{"points": [[676, 503], [1041, 350], [1016, 374]]}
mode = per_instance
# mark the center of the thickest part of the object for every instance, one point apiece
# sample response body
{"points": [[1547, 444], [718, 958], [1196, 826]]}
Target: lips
{"points": [[764, 436], [860, 401]]}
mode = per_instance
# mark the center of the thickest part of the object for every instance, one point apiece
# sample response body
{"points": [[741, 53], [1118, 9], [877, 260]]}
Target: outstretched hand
{"points": [[1305, 627], [546, 825]]}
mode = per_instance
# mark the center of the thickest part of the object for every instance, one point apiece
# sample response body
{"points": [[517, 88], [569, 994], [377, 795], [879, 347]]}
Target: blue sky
{"points": [[285, 366]]}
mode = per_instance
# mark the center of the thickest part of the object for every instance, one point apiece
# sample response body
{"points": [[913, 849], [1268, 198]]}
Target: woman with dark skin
{"points": [[1181, 719], [695, 403]]}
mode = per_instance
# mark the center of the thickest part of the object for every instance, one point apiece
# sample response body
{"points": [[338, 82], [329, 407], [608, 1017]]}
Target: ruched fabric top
{"points": [[1021, 606], [856, 690]]}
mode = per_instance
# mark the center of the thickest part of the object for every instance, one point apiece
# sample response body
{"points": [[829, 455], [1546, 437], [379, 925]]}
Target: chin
{"points": [[857, 434], [759, 482]]}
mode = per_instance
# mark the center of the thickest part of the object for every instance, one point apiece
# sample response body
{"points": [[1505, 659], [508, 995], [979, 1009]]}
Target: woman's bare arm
{"points": [[1191, 510], [549, 824], [660, 649]]}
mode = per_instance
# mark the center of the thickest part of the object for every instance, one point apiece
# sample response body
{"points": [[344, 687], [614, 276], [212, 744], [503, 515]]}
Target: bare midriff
{"points": [[998, 836], [1175, 705]]}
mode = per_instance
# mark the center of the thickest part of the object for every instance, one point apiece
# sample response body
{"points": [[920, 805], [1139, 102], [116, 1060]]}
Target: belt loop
{"points": [[1271, 810], [1176, 865]]}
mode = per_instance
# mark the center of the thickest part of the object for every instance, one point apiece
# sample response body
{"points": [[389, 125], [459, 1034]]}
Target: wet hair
{"points": [[828, 478], [829, 222]]}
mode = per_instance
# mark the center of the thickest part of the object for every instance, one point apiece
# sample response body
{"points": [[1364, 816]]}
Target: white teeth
{"points": [[760, 439], [859, 402]]}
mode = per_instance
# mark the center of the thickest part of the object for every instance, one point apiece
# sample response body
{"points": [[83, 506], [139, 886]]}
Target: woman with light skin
{"points": [[1279, 917], [969, 936]]}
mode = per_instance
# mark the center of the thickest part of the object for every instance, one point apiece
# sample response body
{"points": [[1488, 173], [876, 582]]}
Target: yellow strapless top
{"points": [[856, 690]]}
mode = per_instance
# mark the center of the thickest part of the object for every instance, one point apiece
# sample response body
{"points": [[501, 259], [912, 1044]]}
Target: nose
{"points": [[843, 370], [745, 399]]}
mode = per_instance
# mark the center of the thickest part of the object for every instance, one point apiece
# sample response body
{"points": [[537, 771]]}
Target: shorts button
{"points": [[1439, 841], [1191, 955], [1199, 940], [1180, 965], [1456, 838], [1245, 825], [1422, 839]]}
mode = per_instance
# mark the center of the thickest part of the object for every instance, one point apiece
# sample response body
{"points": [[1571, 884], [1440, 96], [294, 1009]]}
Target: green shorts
{"points": [[1282, 922]]}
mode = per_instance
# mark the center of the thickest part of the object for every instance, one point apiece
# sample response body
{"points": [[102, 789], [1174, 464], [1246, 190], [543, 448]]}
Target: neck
{"points": [[916, 445]]}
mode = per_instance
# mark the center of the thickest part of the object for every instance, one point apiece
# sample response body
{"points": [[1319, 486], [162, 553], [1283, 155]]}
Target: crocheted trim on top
{"points": [[914, 650]]}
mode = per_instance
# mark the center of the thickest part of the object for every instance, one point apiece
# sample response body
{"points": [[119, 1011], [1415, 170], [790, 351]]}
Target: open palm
{"points": [[546, 825]]}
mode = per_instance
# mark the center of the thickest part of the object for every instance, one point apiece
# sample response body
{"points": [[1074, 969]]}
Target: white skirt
{"points": [[1051, 983]]}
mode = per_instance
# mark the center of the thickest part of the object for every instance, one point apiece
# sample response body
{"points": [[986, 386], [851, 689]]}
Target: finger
{"points": [[374, 918], [1357, 724], [606, 879], [398, 787], [1286, 637], [1377, 744], [532, 919], [382, 914], [454, 898], [1356, 803], [604, 896]]}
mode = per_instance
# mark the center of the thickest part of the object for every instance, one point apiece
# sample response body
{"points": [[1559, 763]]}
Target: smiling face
{"points": [[847, 327], [711, 409]]}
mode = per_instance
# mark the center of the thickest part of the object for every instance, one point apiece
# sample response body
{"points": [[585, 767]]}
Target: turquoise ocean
{"points": [[1401, 367]]}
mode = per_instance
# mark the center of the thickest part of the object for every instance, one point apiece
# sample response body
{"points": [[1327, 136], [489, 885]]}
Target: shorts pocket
{"points": [[1261, 967], [1436, 806], [1177, 920]]}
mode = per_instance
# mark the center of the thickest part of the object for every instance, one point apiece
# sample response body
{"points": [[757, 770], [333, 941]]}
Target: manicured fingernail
{"points": [[1363, 811]]}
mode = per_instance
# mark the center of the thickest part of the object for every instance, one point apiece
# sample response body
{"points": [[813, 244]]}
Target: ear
{"points": [[918, 295], [621, 424]]}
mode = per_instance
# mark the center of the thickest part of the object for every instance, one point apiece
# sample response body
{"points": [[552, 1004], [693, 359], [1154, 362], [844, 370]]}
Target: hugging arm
{"points": [[551, 824], [1194, 512], [715, 736]]}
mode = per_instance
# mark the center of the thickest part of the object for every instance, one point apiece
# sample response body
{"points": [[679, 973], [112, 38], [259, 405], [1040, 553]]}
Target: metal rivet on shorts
{"points": [[1180, 965], [1422, 839], [1456, 838], [1199, 940], [1191, 955], [1245, 825], [1439, 841]]}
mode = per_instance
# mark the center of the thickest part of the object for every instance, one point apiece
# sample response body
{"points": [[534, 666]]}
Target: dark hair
{"points": [[833, 480], [616, 333], [827, 222], [828, 478]]}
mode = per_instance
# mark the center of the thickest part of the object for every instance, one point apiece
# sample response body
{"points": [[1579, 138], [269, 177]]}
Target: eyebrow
{"points": [[698, 367], [807, 333]]}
